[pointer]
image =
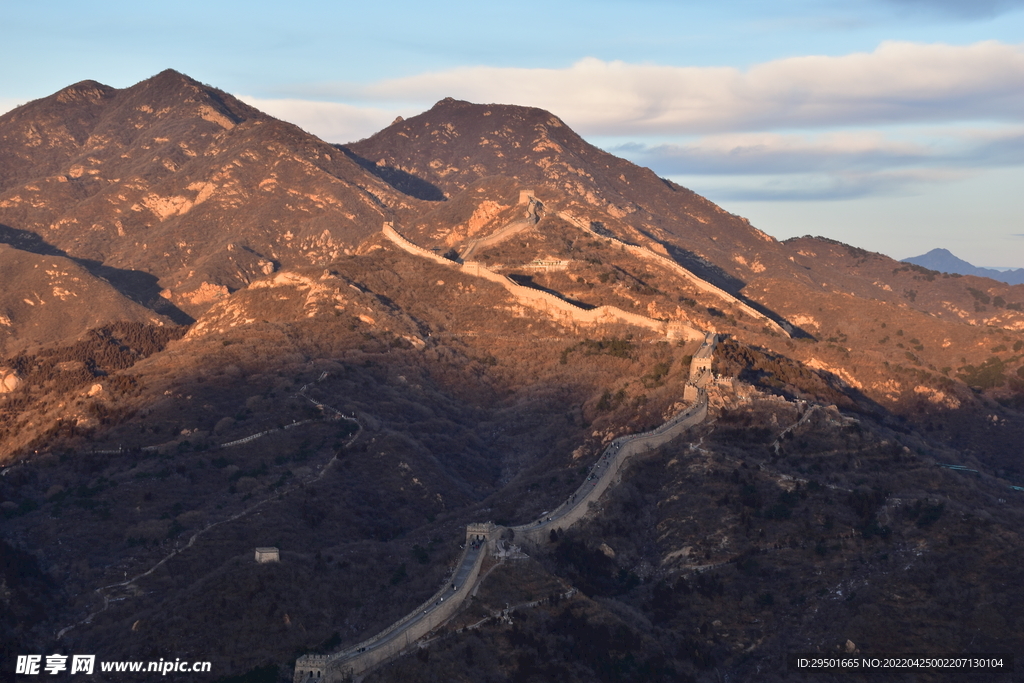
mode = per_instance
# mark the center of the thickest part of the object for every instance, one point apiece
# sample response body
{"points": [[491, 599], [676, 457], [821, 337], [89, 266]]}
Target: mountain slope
{"points": [[50, 299], [482, 156], [456, 143], [183, 182]]}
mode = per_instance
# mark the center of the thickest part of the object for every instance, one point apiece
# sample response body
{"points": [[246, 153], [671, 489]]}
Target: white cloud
{"points": [[891, 121], [823, 186], [748, 153], [897, 82], [330, 121], [832, 152]]}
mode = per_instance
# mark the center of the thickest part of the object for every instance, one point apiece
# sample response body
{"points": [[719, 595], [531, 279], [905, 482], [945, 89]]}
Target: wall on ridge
{"points": [[539, 299], [700, 283], [335, 668], [394, 236], [571, 511], [635, 444], [351, 662]]}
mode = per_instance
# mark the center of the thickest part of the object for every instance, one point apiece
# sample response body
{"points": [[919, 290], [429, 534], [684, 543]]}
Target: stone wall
{"points": [[394, 236], [365, 655], [392, 641], [625, 447], [548, 302], [617, 453], [700, 283]]}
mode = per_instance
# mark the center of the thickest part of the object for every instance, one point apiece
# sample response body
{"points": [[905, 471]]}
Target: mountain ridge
{"points": [[150, 166]]}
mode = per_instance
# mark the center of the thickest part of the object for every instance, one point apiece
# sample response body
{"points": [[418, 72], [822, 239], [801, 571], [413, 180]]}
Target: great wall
{"points": [[513, 228], [658, 259], [482, 538], [546, 301]]}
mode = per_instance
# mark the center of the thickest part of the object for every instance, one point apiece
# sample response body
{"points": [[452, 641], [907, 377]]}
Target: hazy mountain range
{"points": [[943, 260]]}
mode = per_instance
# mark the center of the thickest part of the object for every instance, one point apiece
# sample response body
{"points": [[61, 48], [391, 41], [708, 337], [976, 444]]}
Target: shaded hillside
{"points": [[494, 413], [789, 529]]}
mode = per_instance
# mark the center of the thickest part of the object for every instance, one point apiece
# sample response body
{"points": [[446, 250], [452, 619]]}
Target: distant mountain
{"points": [[945, 261]]}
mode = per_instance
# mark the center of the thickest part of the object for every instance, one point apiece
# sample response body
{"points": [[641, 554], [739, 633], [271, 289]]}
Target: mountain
{"points": [[183, 182], [943, 260], [456, 144], [222, 333], [480, 156]]}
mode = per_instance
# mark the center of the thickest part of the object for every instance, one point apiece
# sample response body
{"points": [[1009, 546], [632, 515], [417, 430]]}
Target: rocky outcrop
{"points": [[9, 380]]}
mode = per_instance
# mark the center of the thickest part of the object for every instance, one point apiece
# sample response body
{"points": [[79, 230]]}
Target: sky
{"points": [[893, 125]]}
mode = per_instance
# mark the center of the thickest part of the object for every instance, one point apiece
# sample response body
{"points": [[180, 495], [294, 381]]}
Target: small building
{"points": [[268, 555]]}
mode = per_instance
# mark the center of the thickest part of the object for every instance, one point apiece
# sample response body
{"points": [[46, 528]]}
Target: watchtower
{"points": [[310, 669], [485, 532]]}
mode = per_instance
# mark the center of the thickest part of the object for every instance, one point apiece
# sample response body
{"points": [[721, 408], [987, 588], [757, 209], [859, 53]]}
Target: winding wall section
{"points": [[385, 645], [602, 474], [698, 282], [548, 302], [441, 606]]}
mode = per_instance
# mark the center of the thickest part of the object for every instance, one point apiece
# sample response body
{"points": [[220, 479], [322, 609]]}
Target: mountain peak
{"points": [[83, 92], [171, 73], [449, 102], [940, 252], [945, 261], [169, 82], [169, 78]]}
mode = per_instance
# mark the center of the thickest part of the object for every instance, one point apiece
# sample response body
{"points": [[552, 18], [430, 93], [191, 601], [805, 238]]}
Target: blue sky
{"points": [[893, 125]]}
